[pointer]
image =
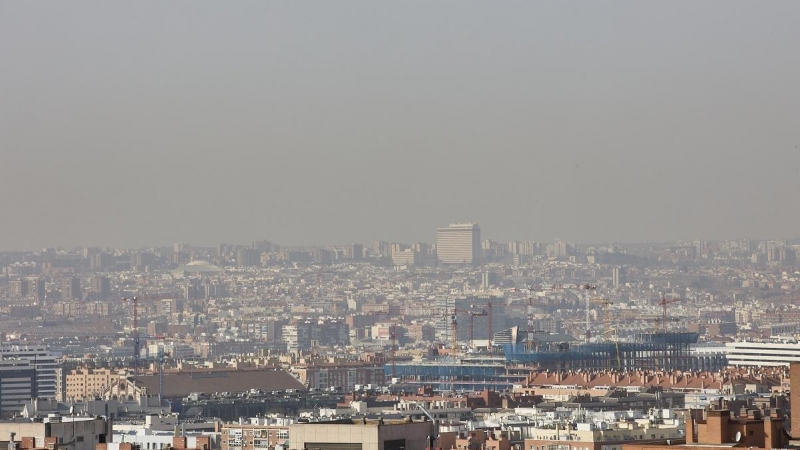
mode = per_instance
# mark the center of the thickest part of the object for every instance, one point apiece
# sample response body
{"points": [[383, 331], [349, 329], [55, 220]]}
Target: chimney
{"points": [[773, 431], [794, 389], [691, 434], [179, 442], [716, 426]]}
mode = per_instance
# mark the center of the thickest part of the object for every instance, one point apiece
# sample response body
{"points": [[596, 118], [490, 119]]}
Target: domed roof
{"points": [[199, 262], [198, 266]]}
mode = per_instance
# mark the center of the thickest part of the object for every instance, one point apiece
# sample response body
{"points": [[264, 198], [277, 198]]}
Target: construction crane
{"points": [[531, 330], [161, 356], [454, 331], [606, 316], [616, 345], [587, 288], [663, 303], [390, 314], [135, 302]]}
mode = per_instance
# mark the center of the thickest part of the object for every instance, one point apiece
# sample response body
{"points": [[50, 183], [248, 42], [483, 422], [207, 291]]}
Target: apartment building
{"points": [[342, 375], [258, 433], [82, 383]]}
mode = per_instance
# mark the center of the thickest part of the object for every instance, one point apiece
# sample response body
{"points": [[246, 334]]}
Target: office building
{"points": [[16, 384], [43, 362], [764, 354], [405, 257], [460, 243]]}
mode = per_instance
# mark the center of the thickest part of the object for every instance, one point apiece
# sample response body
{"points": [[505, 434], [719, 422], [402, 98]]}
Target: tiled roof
{"points": [[209, 382]]}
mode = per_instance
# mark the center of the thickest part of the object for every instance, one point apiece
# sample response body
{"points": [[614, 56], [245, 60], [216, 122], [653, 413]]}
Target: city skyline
{"points": [[245, 243]]}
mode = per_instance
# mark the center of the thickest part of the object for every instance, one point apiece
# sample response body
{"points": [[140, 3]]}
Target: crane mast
{"points": [[134, 301]]}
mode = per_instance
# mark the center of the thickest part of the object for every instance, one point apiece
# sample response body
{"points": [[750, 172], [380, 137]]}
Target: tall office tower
{"points": [[460, 243], [618, 276], [71, 288]]}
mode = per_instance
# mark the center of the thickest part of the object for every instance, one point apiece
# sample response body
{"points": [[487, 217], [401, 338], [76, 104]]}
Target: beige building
{"points": [[358, 435], [59, 432], [342, 375], [84, 383]]}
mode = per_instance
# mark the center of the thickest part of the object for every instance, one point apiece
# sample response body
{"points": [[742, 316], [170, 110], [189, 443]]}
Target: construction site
{"points": [[510, 354]]}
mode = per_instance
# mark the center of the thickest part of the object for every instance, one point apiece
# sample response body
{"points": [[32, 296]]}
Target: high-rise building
{"points": [[37, 287], [71, 288], [248, 257], [101, 286], [618, 276], [460, 243], [356, 252], [18, 288]]}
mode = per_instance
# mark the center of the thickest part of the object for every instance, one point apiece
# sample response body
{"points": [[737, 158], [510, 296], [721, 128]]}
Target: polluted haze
{"points": [[146, 123]]}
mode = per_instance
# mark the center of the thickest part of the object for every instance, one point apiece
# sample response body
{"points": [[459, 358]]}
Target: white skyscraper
{"points": [[460, 243]]}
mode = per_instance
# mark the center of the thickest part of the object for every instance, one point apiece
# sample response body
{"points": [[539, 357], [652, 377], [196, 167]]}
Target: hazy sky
{"points": [[328, 122]]}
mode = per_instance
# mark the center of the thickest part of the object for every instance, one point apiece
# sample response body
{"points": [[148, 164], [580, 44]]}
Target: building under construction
{"points": [[467, 374], [555, 352], [644, 351]]}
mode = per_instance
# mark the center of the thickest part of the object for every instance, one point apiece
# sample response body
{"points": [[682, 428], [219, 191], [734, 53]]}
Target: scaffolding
{"points": [[460, 375], [654, 351]]}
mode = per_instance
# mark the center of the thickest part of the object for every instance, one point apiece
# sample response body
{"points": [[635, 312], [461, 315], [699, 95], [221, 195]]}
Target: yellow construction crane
{"points": [[606, 315], [616, 345]]}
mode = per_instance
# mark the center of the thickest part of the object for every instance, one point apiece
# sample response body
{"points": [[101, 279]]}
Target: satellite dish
{"points": [[738, 436]]}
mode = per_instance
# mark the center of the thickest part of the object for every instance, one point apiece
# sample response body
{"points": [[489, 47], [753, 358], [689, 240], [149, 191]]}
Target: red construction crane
{"points": [[391, 315], [664, 302], [454, 330], [135, 302], [529, 337]]}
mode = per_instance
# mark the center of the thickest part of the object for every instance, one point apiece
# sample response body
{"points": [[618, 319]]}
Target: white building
{"points": [[460, 243], [762, 353]]}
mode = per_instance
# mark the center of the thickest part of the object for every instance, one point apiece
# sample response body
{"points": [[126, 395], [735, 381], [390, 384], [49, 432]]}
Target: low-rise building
{"points": [[342, 375], [361, 435], [74, 433], [258, 433]]}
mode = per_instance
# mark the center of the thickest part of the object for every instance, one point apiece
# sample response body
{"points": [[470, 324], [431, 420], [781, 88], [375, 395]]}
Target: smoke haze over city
{"points": [[148, 123]]}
